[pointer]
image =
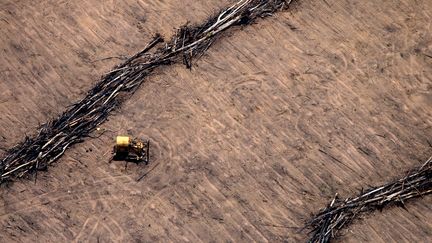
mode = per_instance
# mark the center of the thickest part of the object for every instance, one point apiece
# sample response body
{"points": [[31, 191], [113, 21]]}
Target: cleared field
{"points": [[276, 118], [53, 51]]}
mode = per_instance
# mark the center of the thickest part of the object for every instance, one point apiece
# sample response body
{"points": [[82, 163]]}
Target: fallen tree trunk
{"points": [[340, 213]]}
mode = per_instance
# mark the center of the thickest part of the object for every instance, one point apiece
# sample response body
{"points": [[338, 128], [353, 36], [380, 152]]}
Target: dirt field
{"points": [[330, 97]]}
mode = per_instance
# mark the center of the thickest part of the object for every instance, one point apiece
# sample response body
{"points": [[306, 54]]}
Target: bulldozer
{"points": [[131, 149]]}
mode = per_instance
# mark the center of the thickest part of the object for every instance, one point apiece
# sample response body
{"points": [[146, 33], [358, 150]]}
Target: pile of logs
{"points": [[76, 123], [340, 213]]}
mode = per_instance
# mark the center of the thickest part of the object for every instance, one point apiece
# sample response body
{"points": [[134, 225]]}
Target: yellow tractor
{"points": [[131, 149]]}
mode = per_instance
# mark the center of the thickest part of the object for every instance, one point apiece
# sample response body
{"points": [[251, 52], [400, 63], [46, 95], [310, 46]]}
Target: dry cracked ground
{"points": [[329, 96]]}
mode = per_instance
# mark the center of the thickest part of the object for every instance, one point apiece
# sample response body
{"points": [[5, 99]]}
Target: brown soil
{"points": [[330, 97]]}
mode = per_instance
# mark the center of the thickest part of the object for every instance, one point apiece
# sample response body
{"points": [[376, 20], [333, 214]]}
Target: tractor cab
{"points": [[131, 149]]}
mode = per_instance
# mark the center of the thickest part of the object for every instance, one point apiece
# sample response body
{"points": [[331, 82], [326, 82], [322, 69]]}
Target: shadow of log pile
{"points": [[76, 123], [340, 213]]}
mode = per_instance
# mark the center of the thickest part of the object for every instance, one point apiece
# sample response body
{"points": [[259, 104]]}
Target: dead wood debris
{"points": [[76, 123], [339, 213]]}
